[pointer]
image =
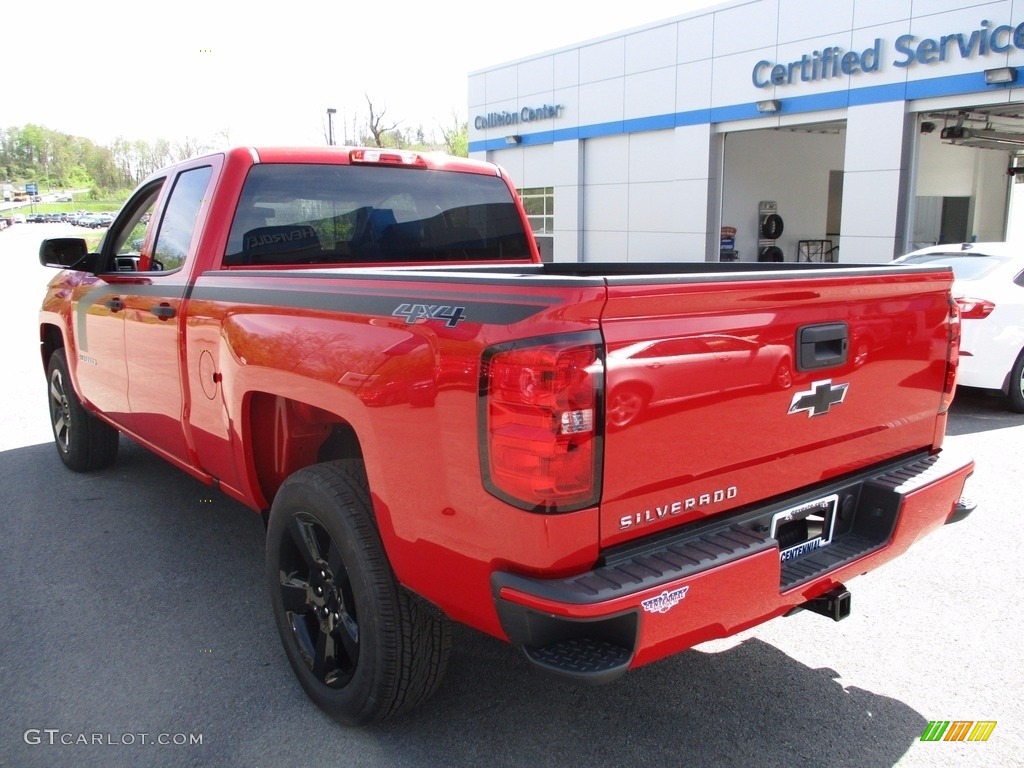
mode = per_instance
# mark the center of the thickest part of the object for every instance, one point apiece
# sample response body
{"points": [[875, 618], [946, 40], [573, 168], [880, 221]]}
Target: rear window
{"points": [[965, 266], [331, 214]]}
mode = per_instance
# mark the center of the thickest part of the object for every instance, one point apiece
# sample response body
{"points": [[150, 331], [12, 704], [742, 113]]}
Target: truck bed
{"points": [[709, 400]]}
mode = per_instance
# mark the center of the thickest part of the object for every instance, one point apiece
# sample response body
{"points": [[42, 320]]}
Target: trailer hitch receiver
{"points": [[835, 604]]}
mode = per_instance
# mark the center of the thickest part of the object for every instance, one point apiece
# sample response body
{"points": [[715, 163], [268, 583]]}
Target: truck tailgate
{"points": [[728, 392]]}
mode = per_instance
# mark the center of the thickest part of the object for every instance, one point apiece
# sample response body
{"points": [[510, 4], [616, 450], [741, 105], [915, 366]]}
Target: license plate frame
{"points": [[820, 515]]}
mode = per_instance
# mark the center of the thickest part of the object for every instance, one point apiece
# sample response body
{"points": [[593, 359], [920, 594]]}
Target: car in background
{"points": [[94, 220], [18, 219], [988, 286]]}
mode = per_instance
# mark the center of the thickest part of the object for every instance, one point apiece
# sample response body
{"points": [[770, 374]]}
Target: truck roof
{"points": [[371, 155]]}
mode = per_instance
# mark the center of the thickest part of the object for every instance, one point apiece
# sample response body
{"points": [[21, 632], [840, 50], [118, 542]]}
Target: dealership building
{"points": [[796, 130]]}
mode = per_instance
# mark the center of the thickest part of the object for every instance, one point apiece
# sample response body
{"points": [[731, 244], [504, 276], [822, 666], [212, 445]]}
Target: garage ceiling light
{"points": [[1001, 76], [769, 106]]}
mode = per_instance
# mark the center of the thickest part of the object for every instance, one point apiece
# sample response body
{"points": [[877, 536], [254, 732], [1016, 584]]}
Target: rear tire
{"points": [[363, 648], [84, 443], [1015, 396]]}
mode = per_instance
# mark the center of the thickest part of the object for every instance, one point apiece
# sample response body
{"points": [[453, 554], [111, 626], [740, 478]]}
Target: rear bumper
{"points": [[658, 597]]}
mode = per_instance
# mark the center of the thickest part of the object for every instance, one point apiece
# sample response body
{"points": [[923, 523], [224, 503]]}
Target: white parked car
{"points": [[989, 287]]}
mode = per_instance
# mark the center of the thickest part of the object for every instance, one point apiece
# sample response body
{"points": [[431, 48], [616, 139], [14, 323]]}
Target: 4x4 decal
{"points": [[413, 312]]}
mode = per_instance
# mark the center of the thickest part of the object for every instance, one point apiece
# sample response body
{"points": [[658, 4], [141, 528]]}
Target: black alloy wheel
{"points": [[316, 594]]}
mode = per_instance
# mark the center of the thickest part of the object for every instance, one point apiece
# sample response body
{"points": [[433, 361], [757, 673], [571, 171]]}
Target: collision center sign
{"points": [[525, 115], [907, 51]]}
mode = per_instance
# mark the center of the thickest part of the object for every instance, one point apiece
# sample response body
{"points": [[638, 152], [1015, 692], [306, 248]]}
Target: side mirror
{"points": [[64, 253]]}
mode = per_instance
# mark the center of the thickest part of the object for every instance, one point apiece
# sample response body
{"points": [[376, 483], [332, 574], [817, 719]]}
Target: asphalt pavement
{"points": [[136, 630]]}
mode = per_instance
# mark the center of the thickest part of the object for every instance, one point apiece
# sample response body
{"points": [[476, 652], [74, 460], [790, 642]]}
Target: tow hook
{"points": [[835, 604]]}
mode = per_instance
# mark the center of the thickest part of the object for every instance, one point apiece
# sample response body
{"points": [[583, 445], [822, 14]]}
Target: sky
{"points": [[262, 73]]}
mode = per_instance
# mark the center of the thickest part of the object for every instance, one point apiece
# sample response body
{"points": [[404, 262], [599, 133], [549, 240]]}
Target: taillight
{"points": [[974, 309], [952, 357], [540, 422]]}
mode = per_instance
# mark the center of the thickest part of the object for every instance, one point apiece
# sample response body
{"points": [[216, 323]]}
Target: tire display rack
{"points": [[769, 229]]}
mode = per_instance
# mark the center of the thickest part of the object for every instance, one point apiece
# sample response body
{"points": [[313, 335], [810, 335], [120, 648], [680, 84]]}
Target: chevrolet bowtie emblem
{"points": [[819, 398]]}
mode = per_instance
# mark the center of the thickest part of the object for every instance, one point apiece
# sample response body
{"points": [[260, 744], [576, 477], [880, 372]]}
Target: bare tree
{"points": [[376, 124], [188, 147], [223, 137]]}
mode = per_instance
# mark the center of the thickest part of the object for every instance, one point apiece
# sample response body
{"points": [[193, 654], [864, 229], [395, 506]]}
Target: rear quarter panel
{"points": [[343, 342]]}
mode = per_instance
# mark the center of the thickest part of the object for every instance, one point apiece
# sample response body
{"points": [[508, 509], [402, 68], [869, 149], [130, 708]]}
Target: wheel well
{"points": [[50, 339], [1012, 380], [286, 435]]}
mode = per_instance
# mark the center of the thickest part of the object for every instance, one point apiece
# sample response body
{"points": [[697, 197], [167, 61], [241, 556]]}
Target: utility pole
{"points": [[331, 112]]}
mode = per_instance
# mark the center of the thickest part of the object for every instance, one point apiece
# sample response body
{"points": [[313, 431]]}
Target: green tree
{"points": [[456, 137]]}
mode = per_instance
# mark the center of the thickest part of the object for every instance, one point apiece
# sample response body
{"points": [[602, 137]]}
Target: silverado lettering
{"points": [[559, 472], [676, 507]]}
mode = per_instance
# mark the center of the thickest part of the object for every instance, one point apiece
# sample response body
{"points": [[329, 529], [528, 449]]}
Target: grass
{"points": [[91, 206]]}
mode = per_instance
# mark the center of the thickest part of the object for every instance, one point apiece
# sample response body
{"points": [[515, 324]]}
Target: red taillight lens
{"points": [[974, 309], [540, 422], [952, 357]]}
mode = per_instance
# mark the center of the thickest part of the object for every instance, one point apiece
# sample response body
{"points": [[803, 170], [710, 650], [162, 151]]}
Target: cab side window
{"points": [[174, 237], [126, 237], [136, 235]]}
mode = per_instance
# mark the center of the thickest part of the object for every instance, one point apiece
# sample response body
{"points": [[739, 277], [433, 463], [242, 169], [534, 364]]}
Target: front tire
{"points": [[84, 443], [363, 648]]}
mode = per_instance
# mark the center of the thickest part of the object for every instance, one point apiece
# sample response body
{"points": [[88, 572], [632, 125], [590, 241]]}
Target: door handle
{"points": [[163, 311], [114, 305]]}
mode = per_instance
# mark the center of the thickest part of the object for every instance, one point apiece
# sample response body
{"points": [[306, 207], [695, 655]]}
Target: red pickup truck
{"points": [[603, 464]]}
